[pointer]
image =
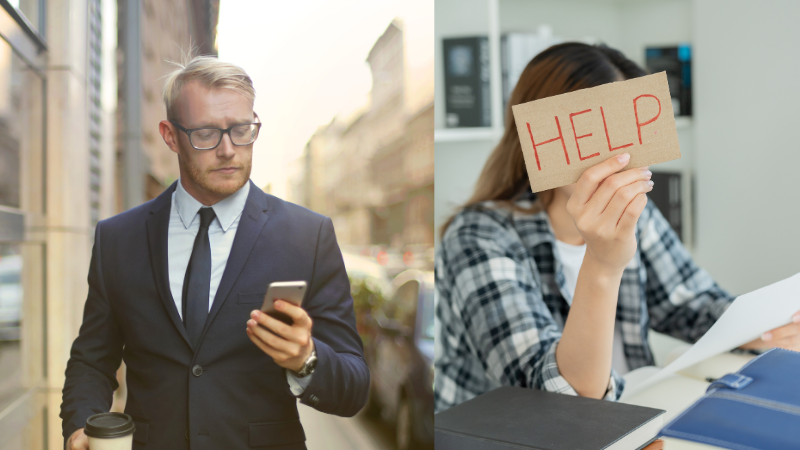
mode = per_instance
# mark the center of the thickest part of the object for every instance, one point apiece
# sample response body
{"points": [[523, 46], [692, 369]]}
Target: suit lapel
{"points": [[157, 235], [254, 217]]}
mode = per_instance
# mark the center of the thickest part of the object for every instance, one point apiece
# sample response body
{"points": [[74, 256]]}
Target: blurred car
{"points": [[367, 270], [400, 359], [10, 297], [418, 257], [369, 287], [395, 260]]}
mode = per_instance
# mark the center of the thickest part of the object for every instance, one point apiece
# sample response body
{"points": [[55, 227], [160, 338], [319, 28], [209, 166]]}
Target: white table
{"points": [[680, 391]]}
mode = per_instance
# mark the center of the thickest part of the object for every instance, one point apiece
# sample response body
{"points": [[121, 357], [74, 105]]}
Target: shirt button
{"points": [[197, 370]]}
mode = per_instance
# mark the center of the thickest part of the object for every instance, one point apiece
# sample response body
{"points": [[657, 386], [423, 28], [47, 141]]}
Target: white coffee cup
{"points": [[110, 431]]}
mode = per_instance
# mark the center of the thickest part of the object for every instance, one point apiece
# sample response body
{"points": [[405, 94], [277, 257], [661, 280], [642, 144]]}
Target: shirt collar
{"points": [[226, 210]]}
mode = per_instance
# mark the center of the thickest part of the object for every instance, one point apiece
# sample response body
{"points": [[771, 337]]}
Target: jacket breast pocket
{"points": [[268, 434], [250, 297]]}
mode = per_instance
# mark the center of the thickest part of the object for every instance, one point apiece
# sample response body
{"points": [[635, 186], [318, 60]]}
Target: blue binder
{"points": [[756, 408]]}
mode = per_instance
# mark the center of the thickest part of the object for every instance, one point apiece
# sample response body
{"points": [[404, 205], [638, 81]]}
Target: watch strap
{"points": [[308, 366]]}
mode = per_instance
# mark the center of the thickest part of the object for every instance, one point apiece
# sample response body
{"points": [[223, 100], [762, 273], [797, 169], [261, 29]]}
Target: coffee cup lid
{"points": [[109, 425]]}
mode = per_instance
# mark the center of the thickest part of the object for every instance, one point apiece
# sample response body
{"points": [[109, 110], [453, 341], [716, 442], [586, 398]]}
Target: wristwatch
{"points": [[308, 366]]}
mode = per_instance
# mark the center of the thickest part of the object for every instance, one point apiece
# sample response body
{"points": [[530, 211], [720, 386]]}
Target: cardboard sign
{"points": [[564, 135]]}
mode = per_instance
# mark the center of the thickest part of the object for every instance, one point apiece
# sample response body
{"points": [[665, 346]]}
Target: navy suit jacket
{"points": [[226, 393]]}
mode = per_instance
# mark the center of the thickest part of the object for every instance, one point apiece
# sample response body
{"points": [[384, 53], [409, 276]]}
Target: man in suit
{"points": [[176, 284]]}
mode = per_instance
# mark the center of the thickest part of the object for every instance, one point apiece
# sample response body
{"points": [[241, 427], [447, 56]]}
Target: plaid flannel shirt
{"points": [[502, 304]]}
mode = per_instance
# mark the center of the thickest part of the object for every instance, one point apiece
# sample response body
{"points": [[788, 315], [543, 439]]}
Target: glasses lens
{"points": [[205, 138], [244, 134]]}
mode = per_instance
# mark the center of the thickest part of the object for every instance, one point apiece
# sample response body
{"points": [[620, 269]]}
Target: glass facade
{"points": [[20, 132], [10, 84], [11, 295], [33, 11], [22, 253]]}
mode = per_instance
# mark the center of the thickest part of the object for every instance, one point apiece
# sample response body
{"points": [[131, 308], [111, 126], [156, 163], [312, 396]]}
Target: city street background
{"points": [[345, 92]]}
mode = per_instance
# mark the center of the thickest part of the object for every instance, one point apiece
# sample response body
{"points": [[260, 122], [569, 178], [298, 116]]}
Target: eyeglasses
{"points": [[208, 138]]}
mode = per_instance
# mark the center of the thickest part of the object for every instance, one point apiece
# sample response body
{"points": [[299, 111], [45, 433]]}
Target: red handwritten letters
{"points": [[560, 137], [633, 116]]}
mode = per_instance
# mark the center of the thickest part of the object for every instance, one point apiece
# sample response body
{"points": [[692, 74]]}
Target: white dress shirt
{"points": [[184, 223]]}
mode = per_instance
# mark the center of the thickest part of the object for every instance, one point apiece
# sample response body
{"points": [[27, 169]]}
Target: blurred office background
{"points": [[738, 205], [731, 197], [80, 84]]}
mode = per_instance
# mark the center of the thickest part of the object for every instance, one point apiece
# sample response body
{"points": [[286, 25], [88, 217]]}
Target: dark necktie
{"points": [[197, 282]]}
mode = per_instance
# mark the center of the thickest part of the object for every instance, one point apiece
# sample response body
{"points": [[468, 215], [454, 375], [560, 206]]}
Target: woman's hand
{"points": [[606, 205], [787, 336]]}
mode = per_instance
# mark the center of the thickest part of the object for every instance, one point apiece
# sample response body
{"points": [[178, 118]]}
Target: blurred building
{"points": [[372, 172], [312, 176], [153, 33], [404, 173]]}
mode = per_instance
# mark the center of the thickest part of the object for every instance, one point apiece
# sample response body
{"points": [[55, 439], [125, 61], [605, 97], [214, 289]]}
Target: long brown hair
{"points": [[559, 69]]}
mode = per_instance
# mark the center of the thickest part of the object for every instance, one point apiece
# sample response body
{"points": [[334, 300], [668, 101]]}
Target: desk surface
{"points": [[680, 391]]}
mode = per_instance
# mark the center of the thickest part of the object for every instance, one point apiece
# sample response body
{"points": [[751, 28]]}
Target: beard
{"points": [[201, 177]]}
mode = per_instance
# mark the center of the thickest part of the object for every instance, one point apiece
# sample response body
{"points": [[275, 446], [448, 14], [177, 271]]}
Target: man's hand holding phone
{"points": [[288, 344]]}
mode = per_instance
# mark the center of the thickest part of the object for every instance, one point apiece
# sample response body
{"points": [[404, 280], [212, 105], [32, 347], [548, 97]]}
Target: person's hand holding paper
{"points": [[571, 137], [768, 308], [787, 336], [578, 145]]}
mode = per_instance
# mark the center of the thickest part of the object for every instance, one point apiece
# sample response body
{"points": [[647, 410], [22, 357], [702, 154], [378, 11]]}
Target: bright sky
{"points": [[307, 60]]}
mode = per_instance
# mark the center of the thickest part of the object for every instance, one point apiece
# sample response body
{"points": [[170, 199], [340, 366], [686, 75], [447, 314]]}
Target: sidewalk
{"points": [[327, 432]]}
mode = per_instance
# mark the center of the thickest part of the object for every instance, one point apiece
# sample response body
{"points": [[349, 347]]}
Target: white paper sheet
{"points": [[748, 317]]}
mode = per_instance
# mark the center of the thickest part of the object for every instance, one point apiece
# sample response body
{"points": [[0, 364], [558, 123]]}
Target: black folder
{"points": [[518, 418], [466, 82]]}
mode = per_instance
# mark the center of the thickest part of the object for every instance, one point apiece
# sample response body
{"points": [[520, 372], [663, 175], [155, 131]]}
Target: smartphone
{"points": [[290, 291]]}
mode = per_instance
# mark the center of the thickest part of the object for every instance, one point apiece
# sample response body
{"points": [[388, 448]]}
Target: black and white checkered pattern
{"points": [[502, 304]]}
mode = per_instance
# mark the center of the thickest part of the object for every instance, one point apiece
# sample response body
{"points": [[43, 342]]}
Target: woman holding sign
{"points": [[556, 290]]}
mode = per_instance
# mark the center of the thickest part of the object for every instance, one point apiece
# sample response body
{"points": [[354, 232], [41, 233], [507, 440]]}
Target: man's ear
{"points": [[169, 133]]}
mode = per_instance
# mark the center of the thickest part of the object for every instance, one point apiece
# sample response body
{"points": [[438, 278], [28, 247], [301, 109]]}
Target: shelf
{"points": [[466, 134]]}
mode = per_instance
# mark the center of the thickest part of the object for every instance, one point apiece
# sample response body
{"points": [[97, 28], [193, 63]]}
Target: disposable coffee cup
{"points": [[110, 431]]}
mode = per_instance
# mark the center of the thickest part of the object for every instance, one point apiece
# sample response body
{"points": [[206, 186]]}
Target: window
{"points": [[21, 143], [427, 322], [10, 324], [33, 11]]}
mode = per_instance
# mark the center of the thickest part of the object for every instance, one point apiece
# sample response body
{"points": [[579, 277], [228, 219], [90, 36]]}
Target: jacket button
{"points": [[313, 399], [187, 435], [197, 370]]}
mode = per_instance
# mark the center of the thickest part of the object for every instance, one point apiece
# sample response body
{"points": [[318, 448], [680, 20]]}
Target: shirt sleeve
{"points": [[496, 297], [683, 300], [296, 384]]}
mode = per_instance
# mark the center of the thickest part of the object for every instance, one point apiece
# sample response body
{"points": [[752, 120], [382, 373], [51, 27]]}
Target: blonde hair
{"points": [[211, 72]]}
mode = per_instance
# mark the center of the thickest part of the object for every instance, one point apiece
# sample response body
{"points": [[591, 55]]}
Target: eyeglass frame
{"points": [[189, 132]]}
